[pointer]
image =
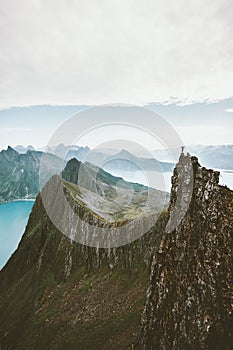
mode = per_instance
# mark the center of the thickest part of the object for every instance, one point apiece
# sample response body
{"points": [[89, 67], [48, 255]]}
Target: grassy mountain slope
{"points": [[112, 197], [59, 294]]}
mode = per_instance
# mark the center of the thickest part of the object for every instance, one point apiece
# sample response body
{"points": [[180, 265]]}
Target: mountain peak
{"points": [[124, 153], [11, 150], [189, 299], [73, 161]]}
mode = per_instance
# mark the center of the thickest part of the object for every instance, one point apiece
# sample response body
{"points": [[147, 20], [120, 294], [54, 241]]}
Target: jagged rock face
{"points": [[189, 301]]}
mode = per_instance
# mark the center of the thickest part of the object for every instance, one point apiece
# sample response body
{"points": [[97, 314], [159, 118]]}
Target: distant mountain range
{"points": [[62, 151], [21, 149], [112, 160], [137, 167], [109, 195], [220, 157], [19, 173], [215, 156], [127, 161]]}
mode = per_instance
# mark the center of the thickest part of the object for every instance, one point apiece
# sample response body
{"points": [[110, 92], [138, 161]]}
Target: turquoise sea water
{"points": [[13, 220]]}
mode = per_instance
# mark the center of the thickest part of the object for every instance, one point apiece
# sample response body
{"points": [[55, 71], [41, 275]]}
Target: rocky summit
{"points": [[189, 301], [169, 289]]}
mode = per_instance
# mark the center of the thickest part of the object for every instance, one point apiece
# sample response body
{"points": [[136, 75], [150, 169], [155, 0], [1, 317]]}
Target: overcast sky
{"points": [[159, 53], [197, 123], [133, 51]]}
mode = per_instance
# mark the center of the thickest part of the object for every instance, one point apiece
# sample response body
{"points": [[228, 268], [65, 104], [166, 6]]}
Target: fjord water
{"points": [[13, 220], [162, 181]]}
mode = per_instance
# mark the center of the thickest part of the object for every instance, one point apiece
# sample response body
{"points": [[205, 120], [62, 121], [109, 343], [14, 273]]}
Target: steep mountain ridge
{"points": [[58, 294], [112, 197], [189, 301], [51, 289], [85, 174]]}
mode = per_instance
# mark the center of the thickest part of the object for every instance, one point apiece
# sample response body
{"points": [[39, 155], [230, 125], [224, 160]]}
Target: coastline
{"points": [[13, 220], [19, 200]]}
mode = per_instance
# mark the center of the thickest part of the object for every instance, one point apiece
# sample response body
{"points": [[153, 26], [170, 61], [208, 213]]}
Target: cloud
{"points": [[229, 110], [211, 135], [14, 129], [94, 52]]}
